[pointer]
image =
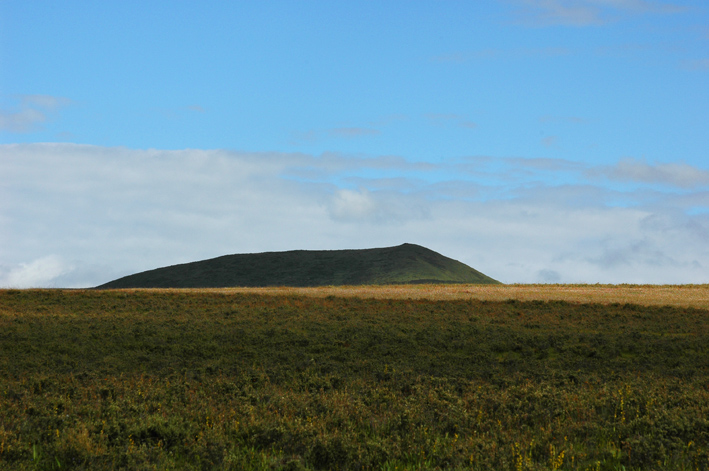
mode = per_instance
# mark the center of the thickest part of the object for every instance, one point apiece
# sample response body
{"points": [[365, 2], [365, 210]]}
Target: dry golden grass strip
{"points": [[664, 295]]}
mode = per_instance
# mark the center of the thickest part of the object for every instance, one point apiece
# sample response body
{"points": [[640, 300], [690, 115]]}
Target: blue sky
{"points": [[536, 140]]}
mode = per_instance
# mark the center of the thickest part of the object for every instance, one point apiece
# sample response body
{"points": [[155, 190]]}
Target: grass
{"points": [[645, 295], [218, 379]]}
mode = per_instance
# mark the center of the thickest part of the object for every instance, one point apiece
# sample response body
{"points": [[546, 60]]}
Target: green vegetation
{"points": [[208, 380], [406, 263]]}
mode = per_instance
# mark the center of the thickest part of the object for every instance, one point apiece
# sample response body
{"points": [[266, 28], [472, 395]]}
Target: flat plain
{"points": [[646, 295], [518, 377]]}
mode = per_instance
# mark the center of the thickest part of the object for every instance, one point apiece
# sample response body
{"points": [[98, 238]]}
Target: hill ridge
{"points": [[402, 264]]}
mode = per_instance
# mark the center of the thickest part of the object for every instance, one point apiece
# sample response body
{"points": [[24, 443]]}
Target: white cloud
{"points": [[551, 12], [21, 121], [353, 132], [675, 174], [643, 6], [550, 141], [31, 112], [308, 137], [697, 64], [461, 57], [37, 273], [586, 12], [47, 102], [353, 205], [445, 119], [548, 276], [115, 211]]}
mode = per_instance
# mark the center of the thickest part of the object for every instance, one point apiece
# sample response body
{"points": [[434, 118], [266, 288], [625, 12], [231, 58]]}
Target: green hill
{"points": [[404, 264]]}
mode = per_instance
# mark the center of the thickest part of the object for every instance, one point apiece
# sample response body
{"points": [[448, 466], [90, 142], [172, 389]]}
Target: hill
{"points": [[404, 264]]}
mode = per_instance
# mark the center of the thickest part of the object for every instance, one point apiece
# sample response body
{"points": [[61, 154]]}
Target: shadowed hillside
{"points": [[407, 263]]}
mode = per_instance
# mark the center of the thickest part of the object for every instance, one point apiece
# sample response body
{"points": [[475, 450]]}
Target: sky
{"points": [[538, 141]]}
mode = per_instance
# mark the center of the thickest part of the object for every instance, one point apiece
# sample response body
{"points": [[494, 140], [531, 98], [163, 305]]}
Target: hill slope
{"points": [[407, 263]]}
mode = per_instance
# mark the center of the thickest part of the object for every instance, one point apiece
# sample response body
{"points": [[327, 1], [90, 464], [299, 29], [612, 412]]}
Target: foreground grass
{"points": [[217, 380]]}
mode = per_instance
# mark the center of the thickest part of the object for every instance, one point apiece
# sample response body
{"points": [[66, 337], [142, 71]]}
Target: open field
{"points": [[355, 378], [646, 295]]}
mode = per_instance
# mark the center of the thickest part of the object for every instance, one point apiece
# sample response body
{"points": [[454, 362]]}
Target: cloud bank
{"points": [[78, 215]]}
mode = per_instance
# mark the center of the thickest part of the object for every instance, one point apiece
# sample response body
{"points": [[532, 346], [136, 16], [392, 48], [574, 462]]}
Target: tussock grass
{"points": [[645, 295], [220, 379]]}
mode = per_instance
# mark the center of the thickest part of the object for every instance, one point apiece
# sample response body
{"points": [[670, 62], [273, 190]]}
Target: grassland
{"points": [[645, 295], [424, 377]]}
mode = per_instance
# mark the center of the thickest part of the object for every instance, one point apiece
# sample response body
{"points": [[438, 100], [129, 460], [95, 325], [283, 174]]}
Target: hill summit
{"points": [[403, 264]]}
